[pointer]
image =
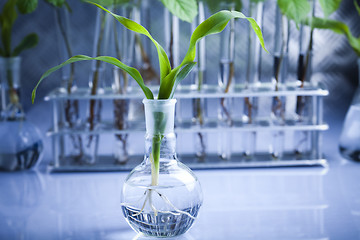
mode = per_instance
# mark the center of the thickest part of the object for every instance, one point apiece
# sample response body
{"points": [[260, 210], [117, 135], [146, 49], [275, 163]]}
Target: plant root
{"points": [[277, 108], [249, 107], [148, 199]]}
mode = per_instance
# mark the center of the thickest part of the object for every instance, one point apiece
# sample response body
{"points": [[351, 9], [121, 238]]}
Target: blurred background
{"points": [[261, 203], [334, 61]]}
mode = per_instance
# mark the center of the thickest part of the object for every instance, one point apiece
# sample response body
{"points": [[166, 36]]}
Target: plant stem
{"points": [[199, 80], [302, 73], [199, 113], [231, 49], [227, 88], [160, 122], [120, 105], [120, 110], [171, 50], [13, 95], [118, 54], [302, 70], [146, 69], [95, 80], [68, 49], [250, 62], [93, 92], [14, 105], [250, 107], [307, 59], [71, 107], [277, 104], [155, 159]]}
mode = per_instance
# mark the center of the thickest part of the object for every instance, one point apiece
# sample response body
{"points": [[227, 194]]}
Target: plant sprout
{"points": [[8, 17], [71, 108], [227, 5], [339, 28], [298, 10], [169, 77]]}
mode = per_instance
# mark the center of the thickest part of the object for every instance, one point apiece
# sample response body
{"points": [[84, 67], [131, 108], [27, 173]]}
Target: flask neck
{"points": [[159, 116], [160, 140]]}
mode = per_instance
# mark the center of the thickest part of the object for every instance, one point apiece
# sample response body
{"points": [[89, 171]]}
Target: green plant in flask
{"points": [[8, 17], [159, 189], [21, 144]]}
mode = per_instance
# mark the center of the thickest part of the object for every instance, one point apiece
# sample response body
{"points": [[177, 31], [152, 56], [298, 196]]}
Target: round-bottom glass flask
{"points": [[349, 145], [161, 197], [21, 144]]}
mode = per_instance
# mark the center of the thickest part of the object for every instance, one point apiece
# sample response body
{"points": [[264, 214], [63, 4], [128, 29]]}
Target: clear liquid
{"points": [[162, 225], [350, 136], [24, 159]]}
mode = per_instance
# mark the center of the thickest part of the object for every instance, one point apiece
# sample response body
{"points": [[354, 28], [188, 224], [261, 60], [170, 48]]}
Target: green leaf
{"points": [[257, 1], [216, 5], [7, 19], [172, 80], [56, 3], [181, 75], [131, 71], [357, 7], [26, 6], [29, 41], [186, 10], [167, 84], [329, 6], [214, 24], [296, 10], [164, 62], [121, 2], [337, 27], [108, 3], [213, 5]]}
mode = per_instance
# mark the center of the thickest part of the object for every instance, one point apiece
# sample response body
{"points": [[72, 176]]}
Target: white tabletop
{"points": [[277, 203]]}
